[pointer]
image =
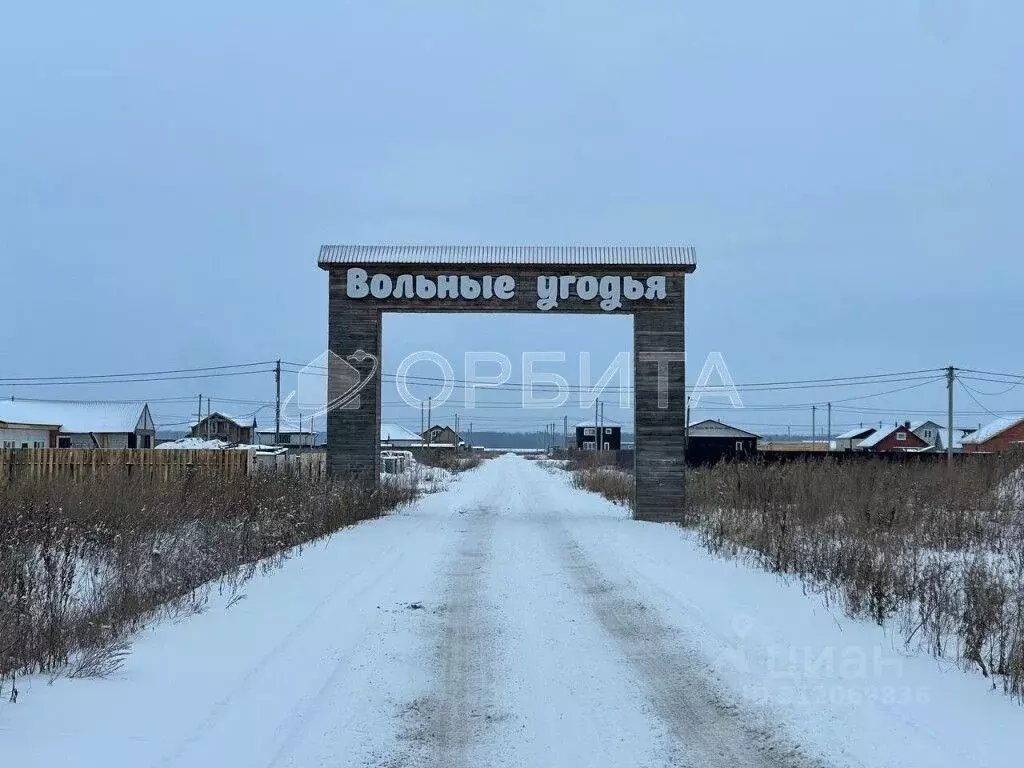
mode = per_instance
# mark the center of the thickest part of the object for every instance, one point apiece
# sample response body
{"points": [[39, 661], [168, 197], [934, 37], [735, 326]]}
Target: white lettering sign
{"points": [[609, 290]]}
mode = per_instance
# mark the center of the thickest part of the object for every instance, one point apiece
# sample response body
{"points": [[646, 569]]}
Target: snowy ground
{"points": [[513, 621]]}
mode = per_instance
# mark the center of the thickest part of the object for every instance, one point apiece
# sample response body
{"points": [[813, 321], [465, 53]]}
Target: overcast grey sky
{"points": [[850, 173]]}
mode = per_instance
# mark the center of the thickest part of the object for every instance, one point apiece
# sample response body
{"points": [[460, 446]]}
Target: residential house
{"points": [[895, 438], [1003, 434], [397, 436], [852, 438], [441, 437], [711, 441], [56, 424], [221, 426], [287, 437], [931, 432], [587, 436]]}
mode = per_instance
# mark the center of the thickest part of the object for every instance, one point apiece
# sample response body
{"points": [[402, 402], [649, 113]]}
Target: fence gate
{"points": [[647, 283]]}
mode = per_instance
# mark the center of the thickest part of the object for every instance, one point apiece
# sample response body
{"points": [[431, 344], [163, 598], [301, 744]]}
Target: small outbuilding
{"points": [[711, 441], [286, 437], [851, 439]]}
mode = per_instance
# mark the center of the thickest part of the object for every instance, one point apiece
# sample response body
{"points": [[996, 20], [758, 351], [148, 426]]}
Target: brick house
{"points": [[896, 438], [1000, 435]]}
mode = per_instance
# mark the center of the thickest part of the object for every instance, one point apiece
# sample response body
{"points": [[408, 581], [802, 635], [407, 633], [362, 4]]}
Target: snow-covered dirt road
{"points": [[513, 621]]}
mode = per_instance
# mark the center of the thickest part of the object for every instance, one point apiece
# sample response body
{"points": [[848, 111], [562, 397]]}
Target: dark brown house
{"points": [[441, 437], [221, 426]]}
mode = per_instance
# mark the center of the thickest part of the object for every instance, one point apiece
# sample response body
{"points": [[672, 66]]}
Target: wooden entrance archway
{"points": [[645, 282]]}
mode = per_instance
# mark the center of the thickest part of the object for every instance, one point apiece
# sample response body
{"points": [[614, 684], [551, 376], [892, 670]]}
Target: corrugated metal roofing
{"points": [[73, 417], [528, 255]]}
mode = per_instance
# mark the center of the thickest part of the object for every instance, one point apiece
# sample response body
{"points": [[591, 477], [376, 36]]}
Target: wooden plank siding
{"points": [[47, 463]]}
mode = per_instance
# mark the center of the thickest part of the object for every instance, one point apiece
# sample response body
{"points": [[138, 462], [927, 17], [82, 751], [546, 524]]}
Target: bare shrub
{"points": [[938, 549], [85, 562], [453, 461], [98, 662], [613, 484]]}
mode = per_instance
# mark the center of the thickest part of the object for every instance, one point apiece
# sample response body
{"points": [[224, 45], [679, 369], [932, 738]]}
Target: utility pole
{"points": [[421, 421], [199, 414], [601, 431], [456, 427], [828, 438], [596, 430], [277, 409], [950, 379], [208, 418], [430, 408], [565, 432], [814, 431], [471, 435]]}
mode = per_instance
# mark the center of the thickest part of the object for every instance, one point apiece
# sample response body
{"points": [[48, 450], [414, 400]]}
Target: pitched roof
{"points": [[715, 428], [241, 421], [112, 417], [595, 424], [389, 432], [652, 256], [916, 425], [855, 433], [880, 435], [992, 429]]}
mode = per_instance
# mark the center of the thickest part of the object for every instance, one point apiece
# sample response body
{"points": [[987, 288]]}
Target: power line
{"points": [[84, 377]]}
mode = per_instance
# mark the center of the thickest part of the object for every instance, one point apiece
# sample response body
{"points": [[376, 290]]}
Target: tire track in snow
{"points": [[708, 730], [450, 721]]}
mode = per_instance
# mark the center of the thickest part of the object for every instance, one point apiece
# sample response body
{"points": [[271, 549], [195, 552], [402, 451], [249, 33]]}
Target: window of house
{"points": [[901, 435], [588, 431], [607, 445], [63, 442], [38, 444], [607, 430], [927, 434], [739, 446]]}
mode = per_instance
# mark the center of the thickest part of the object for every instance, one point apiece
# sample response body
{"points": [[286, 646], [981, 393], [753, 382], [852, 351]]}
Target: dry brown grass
{"points": [[938, 551], [453, 461], [614, 484], [84, 562]]}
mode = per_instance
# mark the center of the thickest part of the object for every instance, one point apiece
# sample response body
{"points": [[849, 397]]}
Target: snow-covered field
{"points": [[511, 620]]}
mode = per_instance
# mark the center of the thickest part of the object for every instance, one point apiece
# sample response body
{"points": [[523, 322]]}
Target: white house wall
{"points": [[19, 438]]}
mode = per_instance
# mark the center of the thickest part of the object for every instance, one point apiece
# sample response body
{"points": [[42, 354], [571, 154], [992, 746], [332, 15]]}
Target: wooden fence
{"points": [[43, 463]]}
